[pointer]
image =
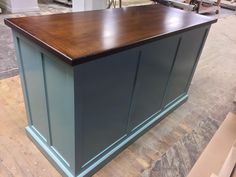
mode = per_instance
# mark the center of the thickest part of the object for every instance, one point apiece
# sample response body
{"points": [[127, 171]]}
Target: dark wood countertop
{"points": [[82, 36]]}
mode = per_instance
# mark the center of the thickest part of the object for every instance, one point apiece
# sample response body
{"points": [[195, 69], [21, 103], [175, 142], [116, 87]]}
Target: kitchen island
{"points": [[93, 82]]}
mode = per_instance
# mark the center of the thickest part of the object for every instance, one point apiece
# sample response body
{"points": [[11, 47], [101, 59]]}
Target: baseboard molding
{"points": [[48, 152], [108, 154]]}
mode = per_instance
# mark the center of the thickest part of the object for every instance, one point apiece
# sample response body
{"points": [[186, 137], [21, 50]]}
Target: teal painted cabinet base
{"points": [[111, 152], [81, 116]]}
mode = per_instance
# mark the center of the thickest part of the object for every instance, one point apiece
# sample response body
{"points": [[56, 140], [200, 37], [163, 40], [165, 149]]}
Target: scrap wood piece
{"points": [[230, 162]]}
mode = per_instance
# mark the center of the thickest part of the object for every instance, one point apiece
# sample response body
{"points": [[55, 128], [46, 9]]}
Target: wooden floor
{"points": [[19, 157], [211, 95]]}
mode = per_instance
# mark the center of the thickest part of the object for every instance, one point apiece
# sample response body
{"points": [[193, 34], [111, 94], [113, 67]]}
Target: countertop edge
{"points": [[93, 56], [42, 44]]}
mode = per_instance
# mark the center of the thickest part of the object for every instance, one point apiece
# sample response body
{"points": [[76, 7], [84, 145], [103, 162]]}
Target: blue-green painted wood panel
{"points": [[104, 89], [60, 157], [154, 69], [188, 53], [22, 76], [31, 60], [59, 81], [87, 109]]}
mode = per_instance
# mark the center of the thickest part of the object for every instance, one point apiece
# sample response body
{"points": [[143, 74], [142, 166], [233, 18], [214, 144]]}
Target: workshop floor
{"points": [[211, 97]]}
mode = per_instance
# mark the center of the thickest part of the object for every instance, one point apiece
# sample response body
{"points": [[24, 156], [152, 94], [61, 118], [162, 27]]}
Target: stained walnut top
{"points": [[83, 36]]}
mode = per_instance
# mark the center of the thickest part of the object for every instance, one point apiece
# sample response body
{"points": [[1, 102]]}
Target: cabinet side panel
{"points": [[104, 90], [33, 80], [60, 99], [154, 69], [187, 57]]}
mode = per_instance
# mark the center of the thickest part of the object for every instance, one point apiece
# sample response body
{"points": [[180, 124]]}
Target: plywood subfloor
{"points": [[211, 95]]}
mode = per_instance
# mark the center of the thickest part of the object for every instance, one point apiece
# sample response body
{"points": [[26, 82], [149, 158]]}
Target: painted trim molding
{"points": [[111, 152]]}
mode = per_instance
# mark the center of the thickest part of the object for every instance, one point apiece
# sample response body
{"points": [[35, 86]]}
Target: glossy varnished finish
{"points": [[84, 36], [81, 116]]}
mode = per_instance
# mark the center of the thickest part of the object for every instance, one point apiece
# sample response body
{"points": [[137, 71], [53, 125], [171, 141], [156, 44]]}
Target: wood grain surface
{"points": [[211, 95], [83, 36]]}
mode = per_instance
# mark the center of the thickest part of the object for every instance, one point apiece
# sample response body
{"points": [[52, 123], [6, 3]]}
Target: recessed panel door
{"points": [[188, 53], [155, 64], [103, 95]]}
